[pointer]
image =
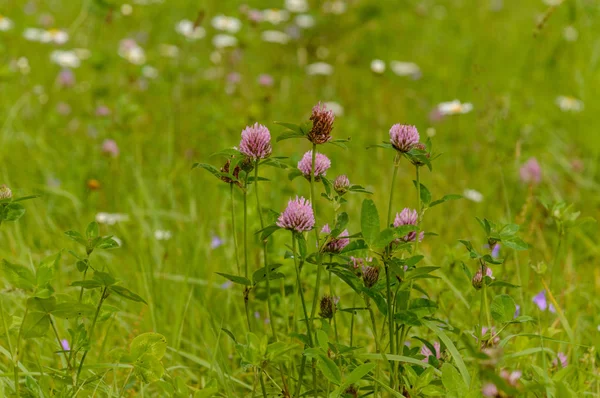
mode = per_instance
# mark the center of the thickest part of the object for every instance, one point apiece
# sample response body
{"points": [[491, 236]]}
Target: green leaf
{"points": [[452, 381], [329, 369], [87, 284], [378, 298], [407, 317], [92, 230], [73, 310], [77, 237], [13, 211], [46, 269], [424, 194], [268, 231], [322, 339], [460, 364], [359, 372], [148, 369], [208, 167], [423, 307], [261, 274], [153, 344], [107, 243], [503, 308], [446, 198], [126, 293], [236, 279], [37, 319], [369, 221], [502, 284], [18, 275], [104, 278], [287, 136], [515, 243]]}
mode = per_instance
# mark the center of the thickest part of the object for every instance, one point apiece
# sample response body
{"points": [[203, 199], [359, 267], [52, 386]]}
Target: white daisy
{"points": [[275, 36], [319, 68], [275, 16], [377, 66], [305, 21], [187, 28], [569, 104], [222, 41], [55, 36], [454, 107], [226, 24], [111, 218], [473, 195], [296, 5], [405, 68], [5, 24], [65, 59]]}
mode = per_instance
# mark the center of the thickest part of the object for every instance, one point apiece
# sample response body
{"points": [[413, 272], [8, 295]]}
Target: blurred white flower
{"points": [[305, 21], [454, 107], [473, 195], [296, 5], [553, 2], [5, 24], [126, 9], [226, 24], [378, 66], [319, 68], [55, 36], [132, 52], [160, 234], [168, 50], [405, 68], [275, 36], [275, 16], [82, 53], [222, 41], [337, 109], [215, 57], [334, 7], [570, 33], [111, 218], [149, 72], [188, 29], [65, 59], [569, 104], [22, 65]]}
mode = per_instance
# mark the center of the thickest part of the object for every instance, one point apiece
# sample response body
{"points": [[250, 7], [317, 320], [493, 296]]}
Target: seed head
{"points": [[370, 275], [328, 306], [322, 119]]}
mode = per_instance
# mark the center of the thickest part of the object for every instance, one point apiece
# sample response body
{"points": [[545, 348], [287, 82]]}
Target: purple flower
{"points": [[540, 300], [265, 80], [360, 262], [322, 119], [531, 172], [562, 359], [103, 111], [511, 378], [66, 78], [216, 242], [322, 163], [256, 142], [425, 351], [517, 311], [298, 216], [496, 250], [336, 245], [65, 345], [489, 390], [492, 332], [341, 184], [404, 137], [234, 78], [226, 284], [408, 217], [110, 147]]}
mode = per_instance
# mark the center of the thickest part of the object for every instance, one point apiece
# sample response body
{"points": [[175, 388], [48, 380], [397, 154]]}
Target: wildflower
{"points": [[328, 306], [360, 262], [126, 9], [296, 5], [66, 78], [377, 66], [405, 69], [425, 351], [103, 111], [5, 24], [256, 142], [336, 245], [569, 104], [216, 242], [5, 192], [22, 65], [404, 137], [477, 280], [223, 41], [454, 107], [370, 275], [319, 68], [473, 195], [408, 217], [275, 36], [540, 300], [493, 338], [570, 33], [94, 185], [111, 218], [132, 52], [298, 216], [64, 343], [275, 16], [341, 184], [322, 119], [304, 21], [531, 172], [66, 59], [226, 285], [55, 36], [265, 80], [489, 390], [226, 24], [189, 30], [511, 378], [560, 359], [322, 163], [160, 234], [110, 148], [517, 311], [496, 250]]}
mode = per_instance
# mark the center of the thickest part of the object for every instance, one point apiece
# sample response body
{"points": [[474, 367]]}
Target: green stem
{"points": [[262, 384], [417, 233], [245, 242], [352, 320], [394, 174], [84, 274], [332, 293], [306, 319], [485, 302], [60, 343], [319, 256], [267, 267], [16, 357], [235, 242], [91, 333], [125, 383], [373, 322], [390, 324]]}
